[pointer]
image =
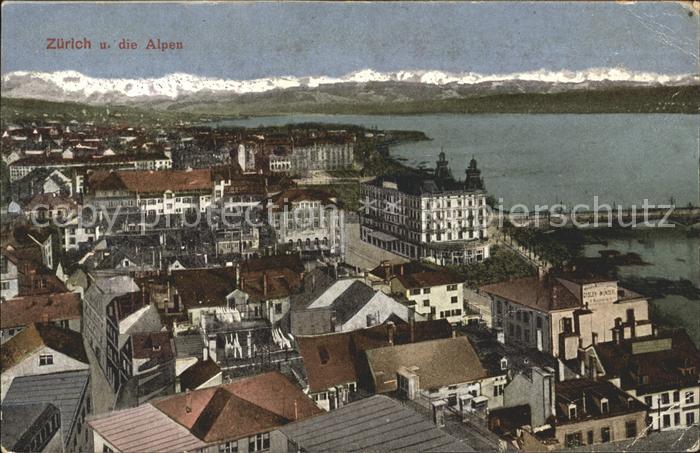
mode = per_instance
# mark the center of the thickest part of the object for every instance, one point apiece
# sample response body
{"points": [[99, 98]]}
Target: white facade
{"points": [[445, 227], [673, 409], [74, 234], [9, 278], [435, 302], [42, 361], [310, 226]]}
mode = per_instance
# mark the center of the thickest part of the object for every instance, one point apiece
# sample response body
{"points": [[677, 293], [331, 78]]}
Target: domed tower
{"points": [[474, 181], [442, 169]]}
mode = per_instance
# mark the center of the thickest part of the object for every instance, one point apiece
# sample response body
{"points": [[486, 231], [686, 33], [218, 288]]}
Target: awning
{"points": [[478, 400], [382, 236]]}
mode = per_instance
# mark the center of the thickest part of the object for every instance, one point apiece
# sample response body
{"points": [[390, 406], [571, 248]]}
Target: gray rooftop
{"points": [[64, 390], [373, 424], [17, 419], [345, 298], [144, 428], [190, 345]]}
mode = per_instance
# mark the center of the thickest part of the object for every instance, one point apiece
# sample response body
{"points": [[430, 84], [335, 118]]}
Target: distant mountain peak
{"points": [[77, 87]]}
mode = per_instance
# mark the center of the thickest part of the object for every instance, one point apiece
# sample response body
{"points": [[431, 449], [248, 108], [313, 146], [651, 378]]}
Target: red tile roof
{"points": [[290, 196], [152, 345], [665, 368], [25, 310], [152, 181], [52, 201], [544, 295], [270, 284], [341, 360], [204, 287], [416, 275], [240, 409]]}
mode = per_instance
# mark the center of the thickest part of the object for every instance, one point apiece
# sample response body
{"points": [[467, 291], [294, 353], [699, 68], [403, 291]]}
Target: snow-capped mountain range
{"points": [[77, 87]]}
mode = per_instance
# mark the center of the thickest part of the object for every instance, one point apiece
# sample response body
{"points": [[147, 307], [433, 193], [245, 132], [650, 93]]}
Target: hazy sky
{"points": [[251, 40]]}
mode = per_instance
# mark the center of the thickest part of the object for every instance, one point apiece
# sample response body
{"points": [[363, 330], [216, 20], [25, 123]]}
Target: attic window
{"points": [[45, 359], [323, 355], [604, 406], [504, 363], [572, 411]]}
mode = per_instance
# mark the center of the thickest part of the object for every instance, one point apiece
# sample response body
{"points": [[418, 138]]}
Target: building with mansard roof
{"points": [[428, 215]]}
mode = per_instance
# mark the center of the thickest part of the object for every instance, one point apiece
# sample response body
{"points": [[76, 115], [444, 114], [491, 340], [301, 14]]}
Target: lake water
{"points": [[542, 159], [670, 255]]}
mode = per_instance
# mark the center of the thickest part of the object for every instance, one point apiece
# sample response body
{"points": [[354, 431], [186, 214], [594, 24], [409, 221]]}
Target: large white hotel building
{"points": [[428, 216]]}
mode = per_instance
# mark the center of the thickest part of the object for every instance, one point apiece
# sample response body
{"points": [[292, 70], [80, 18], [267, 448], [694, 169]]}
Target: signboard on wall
{"points": [[599, 293]]}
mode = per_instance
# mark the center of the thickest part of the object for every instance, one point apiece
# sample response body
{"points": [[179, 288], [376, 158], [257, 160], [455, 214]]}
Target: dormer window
{"points": [[604, 406], [504, 363], [323, 355], [572, 411]]}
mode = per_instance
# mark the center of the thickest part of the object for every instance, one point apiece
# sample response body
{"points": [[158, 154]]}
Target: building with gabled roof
{"points": [[662, 370], [346, 305], [131, 430], [60, 309], [375, 424], [68, 391], [431, 371], [154, 192], [336, 367], [41, 349], [558, 313], [593, 412], [230, 416], [436, 293]]}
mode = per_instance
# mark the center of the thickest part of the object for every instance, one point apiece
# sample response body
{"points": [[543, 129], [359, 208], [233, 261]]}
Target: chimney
{"points": [[412, 325], [188, 401], [205, 354], [390, 328], [617, 334], [264, 283], [500, 336], [387, 270], [438, 412]]}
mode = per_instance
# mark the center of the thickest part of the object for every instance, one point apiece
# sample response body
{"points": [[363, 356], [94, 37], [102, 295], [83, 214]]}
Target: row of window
{"points": [[259, 442], [520, 315], [43, 435], [666, 420], [576, 439], [665, 398], [449, 313]]}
